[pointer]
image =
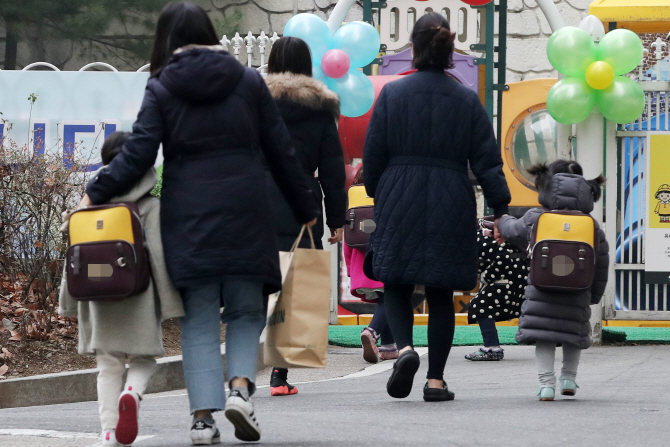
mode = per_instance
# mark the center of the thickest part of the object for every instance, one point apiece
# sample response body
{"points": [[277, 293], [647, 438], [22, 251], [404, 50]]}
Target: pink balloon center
{"points": [[335, 63]]}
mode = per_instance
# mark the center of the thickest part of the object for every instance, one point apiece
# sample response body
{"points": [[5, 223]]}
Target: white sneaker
{"points": [[108, 439], [129, 410], [240, 412], [204, 433]]}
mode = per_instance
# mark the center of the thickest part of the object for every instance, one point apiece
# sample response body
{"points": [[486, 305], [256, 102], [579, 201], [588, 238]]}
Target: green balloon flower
{"points": [[594, 75]]}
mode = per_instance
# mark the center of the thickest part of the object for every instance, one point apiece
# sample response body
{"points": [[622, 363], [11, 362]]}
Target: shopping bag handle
{"points": [[302, 231]]}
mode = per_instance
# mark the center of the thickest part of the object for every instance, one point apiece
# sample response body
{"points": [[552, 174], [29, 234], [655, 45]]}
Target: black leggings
{"points": [[441, 322]]}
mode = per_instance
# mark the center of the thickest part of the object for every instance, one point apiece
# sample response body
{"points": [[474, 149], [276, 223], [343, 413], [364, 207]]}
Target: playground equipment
{"points": [[526, 132]]}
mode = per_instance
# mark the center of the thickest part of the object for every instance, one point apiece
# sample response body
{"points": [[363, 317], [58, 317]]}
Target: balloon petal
{"points": [[622, 102], [355, 91], [570, 101], [622, 49], [312, 30], [359, 40], [318, 74], [571, 50]]}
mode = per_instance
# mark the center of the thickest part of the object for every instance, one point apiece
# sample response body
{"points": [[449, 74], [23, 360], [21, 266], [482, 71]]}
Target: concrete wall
{"points": [[528, 32]]}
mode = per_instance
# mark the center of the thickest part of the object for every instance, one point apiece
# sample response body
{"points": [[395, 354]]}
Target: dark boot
{"points": [[278, 384]]}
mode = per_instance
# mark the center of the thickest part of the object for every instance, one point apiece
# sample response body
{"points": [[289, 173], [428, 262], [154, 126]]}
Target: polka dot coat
{"points": [[503, 274]]}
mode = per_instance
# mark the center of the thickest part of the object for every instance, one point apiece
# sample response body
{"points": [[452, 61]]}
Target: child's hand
{"points": [[496, 233]]}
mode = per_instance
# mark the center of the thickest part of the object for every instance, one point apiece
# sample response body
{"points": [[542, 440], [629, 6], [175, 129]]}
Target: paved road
{"points": [[623, 401]]}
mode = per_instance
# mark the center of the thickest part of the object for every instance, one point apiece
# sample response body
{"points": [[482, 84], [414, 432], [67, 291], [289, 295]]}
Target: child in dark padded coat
{"points": [[549, 318]]}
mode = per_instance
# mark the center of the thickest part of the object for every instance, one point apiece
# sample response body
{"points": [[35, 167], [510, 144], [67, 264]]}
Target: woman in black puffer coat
{"points": [[424, 131], [310, 111], [218, 124]]}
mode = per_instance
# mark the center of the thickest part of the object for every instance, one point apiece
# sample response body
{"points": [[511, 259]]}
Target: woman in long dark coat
{"points": [[425, 130], [310, 111], [217, 122]]}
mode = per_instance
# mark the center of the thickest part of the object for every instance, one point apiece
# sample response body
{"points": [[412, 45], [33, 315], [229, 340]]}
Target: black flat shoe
{"points": [[402, 377], [437, 394]]}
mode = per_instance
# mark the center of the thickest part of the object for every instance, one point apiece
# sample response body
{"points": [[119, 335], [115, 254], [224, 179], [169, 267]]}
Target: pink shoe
{"points": [[127, 427], [388, 353], [369, 342]]}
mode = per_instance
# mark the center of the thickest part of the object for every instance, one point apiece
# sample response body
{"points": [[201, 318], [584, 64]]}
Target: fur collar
{"points": [[305, 91], [193, 46]]}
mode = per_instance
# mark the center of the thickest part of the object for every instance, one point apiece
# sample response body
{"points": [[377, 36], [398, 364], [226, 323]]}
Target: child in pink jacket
{"points": [[370, 290]]}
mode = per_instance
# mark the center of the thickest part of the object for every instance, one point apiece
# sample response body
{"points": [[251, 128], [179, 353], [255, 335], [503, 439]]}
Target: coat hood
{"points": [[298, 96], [201, 74], [139, 190], [567, 191]]}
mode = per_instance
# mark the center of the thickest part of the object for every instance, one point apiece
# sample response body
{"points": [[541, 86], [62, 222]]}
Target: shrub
{"points": [[34, 191]]}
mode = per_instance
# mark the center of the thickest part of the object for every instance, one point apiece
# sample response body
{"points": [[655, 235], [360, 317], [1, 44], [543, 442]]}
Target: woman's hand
{"points": [[311, 223], [83, 203], [335, 235]]}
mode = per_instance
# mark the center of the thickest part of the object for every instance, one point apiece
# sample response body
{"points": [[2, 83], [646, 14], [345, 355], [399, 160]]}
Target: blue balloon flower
{"points": [[358, 40]]}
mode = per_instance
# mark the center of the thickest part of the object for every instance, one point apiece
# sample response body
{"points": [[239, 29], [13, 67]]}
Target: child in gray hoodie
{"points": [[552, 318]]}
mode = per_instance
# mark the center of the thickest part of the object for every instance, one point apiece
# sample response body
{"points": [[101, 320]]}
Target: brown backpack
{"points": [[562, 251], [107, 259]]}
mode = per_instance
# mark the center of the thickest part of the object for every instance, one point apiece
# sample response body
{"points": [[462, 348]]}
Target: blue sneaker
{"points": [[568, 387], [546, 393]]}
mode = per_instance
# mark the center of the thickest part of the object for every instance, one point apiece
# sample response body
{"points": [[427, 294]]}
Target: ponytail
{"points": [[433, 43], [543, 174], [596, 186]]}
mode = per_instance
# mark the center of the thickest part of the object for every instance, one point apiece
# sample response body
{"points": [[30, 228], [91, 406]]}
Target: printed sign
{"points": [[68, 113], [657, 221]]}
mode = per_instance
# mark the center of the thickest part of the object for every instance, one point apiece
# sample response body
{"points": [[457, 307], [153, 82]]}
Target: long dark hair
{"points": [[180, 24], [433, 43], [290, 55], [543, 174]]}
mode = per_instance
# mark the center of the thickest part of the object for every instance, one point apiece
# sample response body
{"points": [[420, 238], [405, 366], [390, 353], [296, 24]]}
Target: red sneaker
{"points": [[127, 427], [279, 385]]}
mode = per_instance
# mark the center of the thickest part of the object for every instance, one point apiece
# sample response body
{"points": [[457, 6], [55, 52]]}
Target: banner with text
{"points": [[657, 221], [68, 113]]}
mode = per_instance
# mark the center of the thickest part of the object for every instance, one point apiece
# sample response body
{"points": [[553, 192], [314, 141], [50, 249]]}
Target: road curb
{"points": [[80, 386]]}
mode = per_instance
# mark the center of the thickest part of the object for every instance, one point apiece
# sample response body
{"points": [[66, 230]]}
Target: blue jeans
{"points": [[380, 323], [244, 313]]}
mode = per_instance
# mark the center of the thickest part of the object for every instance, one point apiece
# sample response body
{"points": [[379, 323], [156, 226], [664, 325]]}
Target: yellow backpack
{"points": [[359, 218], [107, 259], [562, 251]]}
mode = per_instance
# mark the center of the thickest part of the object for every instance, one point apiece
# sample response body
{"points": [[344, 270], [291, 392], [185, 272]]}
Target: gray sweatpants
{"points": [[545, 354]]}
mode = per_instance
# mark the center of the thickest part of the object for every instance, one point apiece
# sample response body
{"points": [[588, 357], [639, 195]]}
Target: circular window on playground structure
{"points": [[533, 140]]}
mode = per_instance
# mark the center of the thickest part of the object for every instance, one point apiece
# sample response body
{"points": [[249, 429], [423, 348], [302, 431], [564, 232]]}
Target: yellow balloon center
{"points": [[599, 75]]}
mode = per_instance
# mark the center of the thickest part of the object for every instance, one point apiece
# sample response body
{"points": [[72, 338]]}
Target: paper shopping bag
{"points": [[298, 316]]}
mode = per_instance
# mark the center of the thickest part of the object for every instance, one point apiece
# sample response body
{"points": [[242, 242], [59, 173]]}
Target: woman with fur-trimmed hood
{"points": [[310, 111]]}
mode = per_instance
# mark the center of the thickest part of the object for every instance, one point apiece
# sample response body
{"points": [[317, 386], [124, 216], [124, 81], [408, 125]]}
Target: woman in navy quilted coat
{"points": [[425, 130]]}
